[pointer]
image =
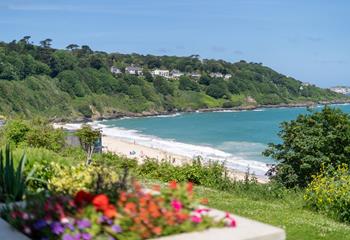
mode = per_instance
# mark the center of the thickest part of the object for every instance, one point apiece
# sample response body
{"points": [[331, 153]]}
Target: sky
{"points": [[306, 39]]}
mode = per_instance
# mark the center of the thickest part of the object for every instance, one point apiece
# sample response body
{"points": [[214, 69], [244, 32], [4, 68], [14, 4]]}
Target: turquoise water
{"points": [[230, 136]]}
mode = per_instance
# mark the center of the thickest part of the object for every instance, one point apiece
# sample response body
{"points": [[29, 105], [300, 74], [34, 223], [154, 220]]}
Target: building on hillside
{"points": [[227, 76], [160, 72], [216, 75], [134, 70], [195, 75], [176, 73], [115, 70], [341, 90]]}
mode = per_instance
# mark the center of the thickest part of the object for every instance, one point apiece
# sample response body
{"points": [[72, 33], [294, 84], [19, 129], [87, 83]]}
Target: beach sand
{"points": [[140, 153]]}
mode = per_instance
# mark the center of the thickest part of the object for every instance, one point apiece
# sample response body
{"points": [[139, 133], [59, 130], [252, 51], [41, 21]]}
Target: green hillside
{"points": [[78, 82]]}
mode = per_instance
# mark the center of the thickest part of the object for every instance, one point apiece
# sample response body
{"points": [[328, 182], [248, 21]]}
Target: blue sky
{"points": [[309, 40]]}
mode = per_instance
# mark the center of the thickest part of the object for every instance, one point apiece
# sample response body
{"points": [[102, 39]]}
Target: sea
{"points": [[236, 138]]}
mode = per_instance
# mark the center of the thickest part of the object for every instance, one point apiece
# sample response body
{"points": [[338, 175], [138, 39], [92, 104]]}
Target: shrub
{"points": [[329, 192], [15, 131], [35, 133], [308, 142], [71, 179]]}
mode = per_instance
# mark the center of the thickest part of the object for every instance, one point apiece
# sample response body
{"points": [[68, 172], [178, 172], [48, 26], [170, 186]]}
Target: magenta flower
{"points": [[176, 204], [201, 210], [196, 219], [233, 223]]}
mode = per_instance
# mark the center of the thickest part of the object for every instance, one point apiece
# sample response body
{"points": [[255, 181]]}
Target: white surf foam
{"points": [[238, 162]]}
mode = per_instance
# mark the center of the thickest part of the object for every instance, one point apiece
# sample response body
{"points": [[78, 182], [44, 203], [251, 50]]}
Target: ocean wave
{"points": [[259, 110], [234, 161], [227, 111]]}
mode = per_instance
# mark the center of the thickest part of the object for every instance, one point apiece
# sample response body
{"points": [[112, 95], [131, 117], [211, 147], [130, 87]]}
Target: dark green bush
{"points": [[310, 141]]}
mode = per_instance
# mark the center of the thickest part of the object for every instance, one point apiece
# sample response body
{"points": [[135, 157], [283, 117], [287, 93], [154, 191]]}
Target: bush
{"points": [[15, 131], [308, 142], [70, 179], [329, 192], [36, 133]]}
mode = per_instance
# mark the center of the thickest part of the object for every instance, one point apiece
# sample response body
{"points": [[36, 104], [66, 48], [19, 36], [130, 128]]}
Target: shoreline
{"points": [[119, 115], [140, 152]]}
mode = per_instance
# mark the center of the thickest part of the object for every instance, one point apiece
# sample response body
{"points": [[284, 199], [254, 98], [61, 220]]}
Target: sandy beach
{"points": [[140, 153]]}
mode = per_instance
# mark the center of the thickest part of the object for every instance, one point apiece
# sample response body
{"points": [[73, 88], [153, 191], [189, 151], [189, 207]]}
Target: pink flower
{"points": [[201, 210], [196, 219], [233, 223], [176, 204]]}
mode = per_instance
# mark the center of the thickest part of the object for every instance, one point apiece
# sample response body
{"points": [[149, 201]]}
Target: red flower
{"points": [[157, 230], [82, 197], [173, 185], [100, 202], [110, 211]]}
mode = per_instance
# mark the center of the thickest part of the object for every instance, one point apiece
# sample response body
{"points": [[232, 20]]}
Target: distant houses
{"points": [[195, 75], [175, 74], [134, 70], [160, 72], [216, 75], [227, 76], [220, 75], [115, 70], [341, 90]]}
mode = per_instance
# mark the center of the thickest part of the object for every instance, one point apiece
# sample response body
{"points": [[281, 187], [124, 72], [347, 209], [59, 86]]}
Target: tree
{"points": [[72, 47], [25, 39], [86, 49], [46, 43], [215, 91], [88, 137], [187, 84], [310, 141]]}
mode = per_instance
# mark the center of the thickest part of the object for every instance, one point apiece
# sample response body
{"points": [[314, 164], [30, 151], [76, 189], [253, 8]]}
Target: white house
{"points": [[176, 73], [160, 72], [227, 76], [115, 70], [216, 75], [134, 70], [195, 75]]}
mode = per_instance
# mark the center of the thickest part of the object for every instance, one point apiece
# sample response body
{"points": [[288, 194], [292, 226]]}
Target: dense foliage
{"points": [[77, 82], [34, 133], [308, 143], [329, 192]]}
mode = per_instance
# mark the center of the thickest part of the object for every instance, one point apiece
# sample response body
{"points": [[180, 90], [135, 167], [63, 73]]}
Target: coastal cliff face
{"points": [[84, 84]]}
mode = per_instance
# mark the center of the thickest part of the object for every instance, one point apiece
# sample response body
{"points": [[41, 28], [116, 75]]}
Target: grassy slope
{"points": [[289, 214]]}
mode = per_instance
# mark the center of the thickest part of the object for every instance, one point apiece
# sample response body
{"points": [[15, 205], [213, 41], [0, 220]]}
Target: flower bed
{"points": [[135, 214]]}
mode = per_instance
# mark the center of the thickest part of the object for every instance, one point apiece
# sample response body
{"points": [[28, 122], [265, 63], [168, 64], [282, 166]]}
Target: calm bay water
{"points": [[235, 137]]}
